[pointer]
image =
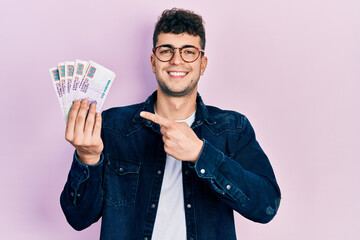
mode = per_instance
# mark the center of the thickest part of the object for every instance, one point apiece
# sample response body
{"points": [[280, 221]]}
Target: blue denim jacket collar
{"points": [[202, 114]]}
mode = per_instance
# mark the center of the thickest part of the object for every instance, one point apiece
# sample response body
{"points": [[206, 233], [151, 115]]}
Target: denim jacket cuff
{"points": [[209, 160], [208, 166], [82, 172]]}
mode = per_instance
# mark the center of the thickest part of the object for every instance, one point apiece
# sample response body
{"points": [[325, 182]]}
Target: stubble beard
{"points": [[178, 94]]}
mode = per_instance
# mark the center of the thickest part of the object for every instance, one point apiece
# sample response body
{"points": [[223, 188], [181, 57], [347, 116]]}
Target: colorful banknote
{"points": [[61, 68], [95, 84], [80, 69], [78, 80], [55, 77], [69, 72]]}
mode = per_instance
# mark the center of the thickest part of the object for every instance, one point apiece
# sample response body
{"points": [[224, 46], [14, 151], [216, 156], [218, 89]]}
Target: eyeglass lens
{"points": [[188, 54]]}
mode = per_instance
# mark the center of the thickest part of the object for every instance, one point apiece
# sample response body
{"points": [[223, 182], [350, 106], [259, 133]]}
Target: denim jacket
{"points": [[231, 173]]}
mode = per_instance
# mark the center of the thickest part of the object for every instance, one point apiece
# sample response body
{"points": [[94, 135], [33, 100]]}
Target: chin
{"points": [[176, 93], [171, 92]]}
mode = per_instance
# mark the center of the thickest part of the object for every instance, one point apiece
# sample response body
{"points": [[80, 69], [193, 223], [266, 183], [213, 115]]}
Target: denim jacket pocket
{"points": [[121, 181]]}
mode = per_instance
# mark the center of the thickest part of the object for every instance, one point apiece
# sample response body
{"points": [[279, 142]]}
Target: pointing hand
{"points": [[180, 141]]}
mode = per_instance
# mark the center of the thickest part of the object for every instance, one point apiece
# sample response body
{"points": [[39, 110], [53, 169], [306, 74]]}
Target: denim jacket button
{"points": [[72, 194], [159, 172], [153, 205], [188, 206], [121, 169], [202, 171], [228, 187], [145, 238]]}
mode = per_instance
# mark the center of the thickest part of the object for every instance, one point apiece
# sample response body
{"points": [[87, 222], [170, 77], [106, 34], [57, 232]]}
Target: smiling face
{"points": [[177, 78]]}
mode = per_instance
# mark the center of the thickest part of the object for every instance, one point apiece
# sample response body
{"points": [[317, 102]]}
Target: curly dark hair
{"points": [[179, 21]]}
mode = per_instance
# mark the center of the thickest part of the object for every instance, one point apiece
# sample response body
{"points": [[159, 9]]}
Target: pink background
{"points": [[291, 66]]}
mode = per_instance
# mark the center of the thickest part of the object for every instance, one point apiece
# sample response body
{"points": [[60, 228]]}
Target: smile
{"points": [[177, 74]]}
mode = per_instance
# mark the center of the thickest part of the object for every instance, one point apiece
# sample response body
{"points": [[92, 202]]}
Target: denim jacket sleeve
{"points": [[244, 180], [81, 198]]}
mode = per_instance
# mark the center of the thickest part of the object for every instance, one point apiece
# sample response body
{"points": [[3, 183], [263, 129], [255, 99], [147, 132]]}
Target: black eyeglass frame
{"points": [[201, 52]]}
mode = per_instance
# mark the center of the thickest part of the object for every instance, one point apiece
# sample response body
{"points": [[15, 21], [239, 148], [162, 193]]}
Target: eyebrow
{"points": [[171, 46]]}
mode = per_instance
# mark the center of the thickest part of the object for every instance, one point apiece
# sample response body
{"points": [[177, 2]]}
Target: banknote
{"points": [[80, 69], [55, 77], [78, 80], [61, 68], [95, 84], [69, 72]]}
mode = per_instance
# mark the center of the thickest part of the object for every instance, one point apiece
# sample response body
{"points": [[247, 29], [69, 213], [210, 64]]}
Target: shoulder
{"points": [[226, 120]]}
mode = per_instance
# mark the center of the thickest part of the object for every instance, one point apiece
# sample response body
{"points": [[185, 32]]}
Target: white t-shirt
{"points": [[170, 216]]}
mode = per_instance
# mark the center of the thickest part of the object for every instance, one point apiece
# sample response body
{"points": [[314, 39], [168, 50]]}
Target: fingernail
{"points": [[142, 114]]}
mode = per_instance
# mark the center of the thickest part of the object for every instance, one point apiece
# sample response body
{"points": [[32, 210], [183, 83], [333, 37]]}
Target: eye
{"points": [[165, 50], [189, 51]]}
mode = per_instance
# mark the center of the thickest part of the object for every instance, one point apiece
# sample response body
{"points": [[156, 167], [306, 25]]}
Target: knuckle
{"points": [[170, 144], [166, 148], [74, 108], [71, 116], [90, 121], [77, 142], [169, 134], [95, 145], [92, 106], [68, 137], [163, 130], [80, 118]]}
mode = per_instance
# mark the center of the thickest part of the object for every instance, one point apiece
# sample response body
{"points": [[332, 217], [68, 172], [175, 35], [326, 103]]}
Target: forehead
{"points": [[178, 40]]}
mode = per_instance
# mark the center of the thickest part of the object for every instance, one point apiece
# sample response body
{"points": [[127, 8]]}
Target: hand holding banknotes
{"points": [[83, 132], [90, 82]]}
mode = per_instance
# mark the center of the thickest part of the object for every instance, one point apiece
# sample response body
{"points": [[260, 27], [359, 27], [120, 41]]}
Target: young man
{"points": [[170, 167]]}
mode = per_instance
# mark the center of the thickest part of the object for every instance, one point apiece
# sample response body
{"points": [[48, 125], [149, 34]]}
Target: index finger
{"points": [[155, 118], [70, 125]]}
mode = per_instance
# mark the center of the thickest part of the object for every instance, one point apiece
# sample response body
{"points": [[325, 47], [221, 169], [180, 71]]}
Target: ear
{"points": [[152, 60], [204, 61]]}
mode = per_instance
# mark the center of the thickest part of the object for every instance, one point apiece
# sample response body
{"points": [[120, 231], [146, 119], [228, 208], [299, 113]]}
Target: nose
{"points": [[176, 59]]}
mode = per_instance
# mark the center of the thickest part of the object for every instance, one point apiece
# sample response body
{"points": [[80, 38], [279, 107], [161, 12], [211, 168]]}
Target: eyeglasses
{"points": [[166, 52]]}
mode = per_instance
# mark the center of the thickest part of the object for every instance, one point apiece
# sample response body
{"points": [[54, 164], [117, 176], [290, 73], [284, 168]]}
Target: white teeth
{"points": [[177, 73]]}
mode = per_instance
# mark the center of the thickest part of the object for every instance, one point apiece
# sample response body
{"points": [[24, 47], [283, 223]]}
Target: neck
{"points": [[175, 108]]}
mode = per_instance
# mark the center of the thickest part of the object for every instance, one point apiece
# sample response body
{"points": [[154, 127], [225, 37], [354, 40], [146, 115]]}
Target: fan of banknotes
{"points": [[79, 80]]}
